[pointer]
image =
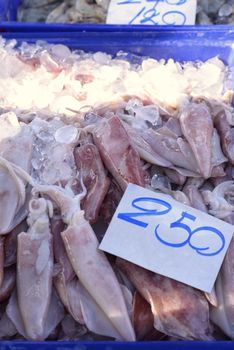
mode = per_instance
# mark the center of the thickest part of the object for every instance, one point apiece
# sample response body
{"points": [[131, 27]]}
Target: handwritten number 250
{"points": [[188, 236]]}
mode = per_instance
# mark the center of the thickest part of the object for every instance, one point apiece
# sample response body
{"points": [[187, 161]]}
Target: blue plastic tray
{"points": [[193, 43], [182, 43]]}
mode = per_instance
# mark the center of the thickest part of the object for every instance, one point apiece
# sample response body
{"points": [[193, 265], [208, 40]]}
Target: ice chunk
{"points": [[67, 134], [159, 182]]}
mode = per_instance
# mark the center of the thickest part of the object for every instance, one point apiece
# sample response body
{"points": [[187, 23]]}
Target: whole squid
{"points": [[117, 152], [73, 295], [35, 269], [90, 264]]}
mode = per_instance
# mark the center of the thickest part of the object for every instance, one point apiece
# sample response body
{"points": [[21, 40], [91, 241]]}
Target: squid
{"points": [[197, 127], [90, 264], [89, 164], [35, 269], [117, 152], [179, 310], [144, 148], [73, 295], [175, 150]]}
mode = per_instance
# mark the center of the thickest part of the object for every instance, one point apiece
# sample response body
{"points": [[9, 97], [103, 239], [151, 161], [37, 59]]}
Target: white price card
{"points": [[162, 235], [152, 12]]}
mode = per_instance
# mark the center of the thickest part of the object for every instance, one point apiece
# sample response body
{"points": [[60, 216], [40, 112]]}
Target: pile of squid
{"points": [[60, 183], [62, 177]]}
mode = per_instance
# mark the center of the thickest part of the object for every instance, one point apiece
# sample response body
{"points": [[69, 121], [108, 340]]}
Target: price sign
{"points": [[152, 12], [162, 235]]}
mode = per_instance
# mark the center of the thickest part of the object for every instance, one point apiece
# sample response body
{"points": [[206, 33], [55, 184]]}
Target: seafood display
{"points": [[75, 129], [95, 11], [63, 11]]}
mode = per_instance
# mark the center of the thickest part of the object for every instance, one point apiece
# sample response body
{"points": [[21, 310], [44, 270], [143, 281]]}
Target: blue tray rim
{"points": [[19, 26]]}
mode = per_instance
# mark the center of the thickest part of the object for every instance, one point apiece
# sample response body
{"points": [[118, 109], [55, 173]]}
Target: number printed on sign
{"points": [[158, 233], [152, 12], [177, 238]]}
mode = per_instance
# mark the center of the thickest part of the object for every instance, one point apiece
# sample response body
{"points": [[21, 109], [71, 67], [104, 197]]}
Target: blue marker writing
{"points": [[188, 236], [176, 2], [129, 217], [174, 17]]}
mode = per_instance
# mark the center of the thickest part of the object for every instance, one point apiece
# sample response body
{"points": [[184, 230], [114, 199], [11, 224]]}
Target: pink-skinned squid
{"points": [[35, 269], [197, 127], [179, 310], [89, 164], [90, 264], [73, 295], [117, 152]]}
